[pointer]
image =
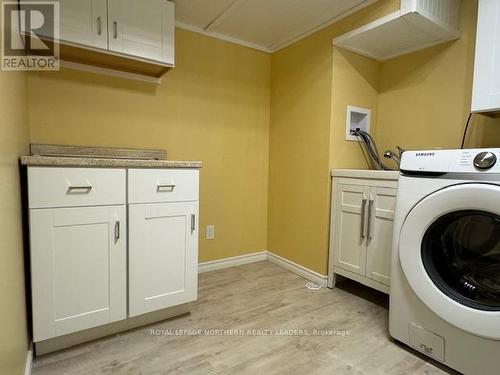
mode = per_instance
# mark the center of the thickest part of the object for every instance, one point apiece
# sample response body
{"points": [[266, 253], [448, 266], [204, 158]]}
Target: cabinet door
{"points": [[380, 230], [81, 21], [142, 28], [78, 268], [84, 22], [163, 255], [350, 228], [486, 90]]}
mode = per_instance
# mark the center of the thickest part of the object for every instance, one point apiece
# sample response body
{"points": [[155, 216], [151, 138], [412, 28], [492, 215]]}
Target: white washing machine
{"points": [[445, 275]]}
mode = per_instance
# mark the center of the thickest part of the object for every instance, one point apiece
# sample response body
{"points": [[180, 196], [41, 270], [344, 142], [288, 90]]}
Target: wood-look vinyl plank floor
{"points": [[260, 296]]}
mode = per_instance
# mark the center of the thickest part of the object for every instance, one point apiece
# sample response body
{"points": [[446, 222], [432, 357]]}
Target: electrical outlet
{"points": [[210, 233]]}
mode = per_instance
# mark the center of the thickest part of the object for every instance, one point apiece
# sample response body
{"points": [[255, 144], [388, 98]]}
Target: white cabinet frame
{"points": [[361, 225], [83, 241], [486, 86]]}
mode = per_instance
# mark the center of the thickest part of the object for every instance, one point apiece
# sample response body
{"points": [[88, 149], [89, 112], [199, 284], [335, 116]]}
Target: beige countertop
{"points": [[362, 173], [62, 161]]}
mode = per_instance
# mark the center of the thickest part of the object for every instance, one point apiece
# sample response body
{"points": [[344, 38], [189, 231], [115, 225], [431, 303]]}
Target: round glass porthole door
{"points": [[449, 252], [461, 254]]}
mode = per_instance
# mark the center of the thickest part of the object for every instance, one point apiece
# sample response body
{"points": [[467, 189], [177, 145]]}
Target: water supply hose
{"points": [[371, 149]]}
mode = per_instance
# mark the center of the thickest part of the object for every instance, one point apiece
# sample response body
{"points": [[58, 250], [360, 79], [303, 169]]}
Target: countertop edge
{"points": [[61, 162], [362, 173]]}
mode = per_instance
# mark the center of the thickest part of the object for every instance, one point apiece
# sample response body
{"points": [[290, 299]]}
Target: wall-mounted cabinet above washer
{"points": [[417, 25], [486, 88], [123, 35]]}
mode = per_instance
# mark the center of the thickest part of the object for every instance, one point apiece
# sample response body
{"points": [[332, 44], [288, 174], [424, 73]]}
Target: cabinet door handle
{"points": [[369, 235], [363, 206], [193, 223], [117, 230], [168, 187], [99, 26], [115, 30]]}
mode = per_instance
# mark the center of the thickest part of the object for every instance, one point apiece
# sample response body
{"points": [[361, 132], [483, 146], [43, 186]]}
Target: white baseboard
{"points": [[29, 360], [306, 273], [231, 262], [259, 257]]}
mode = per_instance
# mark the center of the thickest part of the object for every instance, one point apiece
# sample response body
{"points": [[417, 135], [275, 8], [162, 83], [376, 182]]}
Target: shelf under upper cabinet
{"points": [[107, 59]]}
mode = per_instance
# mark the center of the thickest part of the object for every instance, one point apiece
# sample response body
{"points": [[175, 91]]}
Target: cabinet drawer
{"points": [[162, 185], [74, 187]]}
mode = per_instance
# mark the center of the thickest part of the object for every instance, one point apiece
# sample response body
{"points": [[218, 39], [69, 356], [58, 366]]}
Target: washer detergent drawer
{"points": [[426, 342]]}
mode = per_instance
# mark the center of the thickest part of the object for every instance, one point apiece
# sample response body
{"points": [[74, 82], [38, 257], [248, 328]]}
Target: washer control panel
{"points": [[477, 160], [485, 160], [452, 161]]}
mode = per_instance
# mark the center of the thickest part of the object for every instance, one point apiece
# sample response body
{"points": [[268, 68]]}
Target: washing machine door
{"points": [[449, 249]]}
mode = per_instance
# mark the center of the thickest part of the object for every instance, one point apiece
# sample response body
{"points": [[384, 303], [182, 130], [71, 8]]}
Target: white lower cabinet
{"points": [[379, 241], [80, 254], [163, 255], [350, 223], [361, 230], [78, 263], [163, 239]]}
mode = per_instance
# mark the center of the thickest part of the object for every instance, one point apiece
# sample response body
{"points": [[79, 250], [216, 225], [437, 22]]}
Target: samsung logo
{"points": [[425, 154]]}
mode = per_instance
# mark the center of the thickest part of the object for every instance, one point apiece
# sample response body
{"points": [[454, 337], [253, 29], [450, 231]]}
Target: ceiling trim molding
{"points": [[225, 38], [276, 47]]}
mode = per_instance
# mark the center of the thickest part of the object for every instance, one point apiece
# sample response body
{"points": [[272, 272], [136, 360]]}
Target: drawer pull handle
{"points": [[117, 231], [193, 223], [115, 30], [169, 187], [87, 188]]}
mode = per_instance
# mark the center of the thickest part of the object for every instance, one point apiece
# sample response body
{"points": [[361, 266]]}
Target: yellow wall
{"points": [[214, 106], [421, 100], [239, 110], [355, 81], [13, 143], [244, 114], [425, 97], [299, 169]]}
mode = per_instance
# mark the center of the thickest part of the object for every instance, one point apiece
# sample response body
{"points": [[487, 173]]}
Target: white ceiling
{"points": [[267, 25]]}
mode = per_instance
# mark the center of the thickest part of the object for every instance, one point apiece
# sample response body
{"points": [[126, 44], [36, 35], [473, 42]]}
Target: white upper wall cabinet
{"points": [[142, 28], [486, 88], [113, 32], [84, 22], [81, 21]]}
